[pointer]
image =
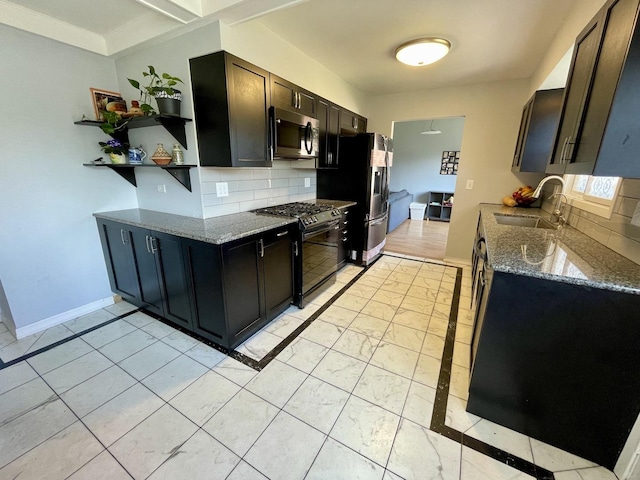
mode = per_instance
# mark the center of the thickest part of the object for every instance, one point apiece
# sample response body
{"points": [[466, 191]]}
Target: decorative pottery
{"points": [[169, 104], [177, 154], [118, 158], [136, 155], [161, 156]]}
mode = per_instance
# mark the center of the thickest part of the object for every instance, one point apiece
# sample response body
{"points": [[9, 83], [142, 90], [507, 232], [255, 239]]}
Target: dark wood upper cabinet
{"points": [[231, 103], [292, 97], [599, 130], [537, 131], [329, 118], [352, 123]]}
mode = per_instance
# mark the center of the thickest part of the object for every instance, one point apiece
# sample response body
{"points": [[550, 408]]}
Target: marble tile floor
{"points": [[351, 397]]}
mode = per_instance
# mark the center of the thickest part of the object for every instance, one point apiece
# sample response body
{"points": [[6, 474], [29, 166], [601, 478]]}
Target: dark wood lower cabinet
{"points": [[147, 269], [224, 293], [242, 285], [277, 264], [563, 370]]}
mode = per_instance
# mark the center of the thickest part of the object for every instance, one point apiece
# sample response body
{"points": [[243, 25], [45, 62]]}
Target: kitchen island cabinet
{"points": [[554, 347], [222, 285]]}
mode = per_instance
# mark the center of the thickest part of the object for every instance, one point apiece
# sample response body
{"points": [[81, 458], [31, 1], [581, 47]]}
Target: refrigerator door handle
{"points": [[378, 221]]}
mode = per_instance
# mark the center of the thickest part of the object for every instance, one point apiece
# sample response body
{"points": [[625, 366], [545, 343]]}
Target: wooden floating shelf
{"points": [[174, 125], [127, 171]]}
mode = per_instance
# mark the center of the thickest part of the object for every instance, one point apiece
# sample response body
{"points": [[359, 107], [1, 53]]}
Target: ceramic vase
{"points": [[161, 156], [118, 158]]}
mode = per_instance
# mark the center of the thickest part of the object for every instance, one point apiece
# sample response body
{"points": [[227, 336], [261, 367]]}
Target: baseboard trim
{"points": [[62, 317], [458, 261]]}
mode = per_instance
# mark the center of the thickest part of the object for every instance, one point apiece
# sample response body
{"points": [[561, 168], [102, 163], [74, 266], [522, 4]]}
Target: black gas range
{"points": [[316, 262], [310, 214]]}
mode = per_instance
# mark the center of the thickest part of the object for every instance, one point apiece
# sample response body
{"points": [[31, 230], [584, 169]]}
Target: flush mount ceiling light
{"points": [[431, 131], [422, 51]]}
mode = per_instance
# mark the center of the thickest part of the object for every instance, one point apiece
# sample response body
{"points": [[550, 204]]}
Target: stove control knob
{"points": [[315, 219]]}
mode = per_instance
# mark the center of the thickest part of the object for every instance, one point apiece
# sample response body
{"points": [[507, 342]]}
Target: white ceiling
{"points": [[491, 39]]}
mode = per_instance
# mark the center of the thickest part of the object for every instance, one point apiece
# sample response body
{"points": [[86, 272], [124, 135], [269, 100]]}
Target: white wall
{"points": [[50, 256], [492, 114], [255, 43], [249, 188], [417, 158], [170, 56]]}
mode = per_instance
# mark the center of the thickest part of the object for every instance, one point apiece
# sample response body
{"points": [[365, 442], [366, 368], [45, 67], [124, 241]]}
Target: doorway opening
{"points": [[426, 155]]}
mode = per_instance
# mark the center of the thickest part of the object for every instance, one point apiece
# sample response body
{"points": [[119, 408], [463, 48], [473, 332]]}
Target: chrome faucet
{"points": [[558, 211], [538, 190]]}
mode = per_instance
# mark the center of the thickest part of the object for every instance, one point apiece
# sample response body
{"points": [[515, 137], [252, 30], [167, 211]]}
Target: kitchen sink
{"points": [[518, 221]]}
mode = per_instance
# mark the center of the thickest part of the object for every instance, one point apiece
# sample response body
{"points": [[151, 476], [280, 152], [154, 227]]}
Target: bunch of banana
{"points": [[523, 196]]}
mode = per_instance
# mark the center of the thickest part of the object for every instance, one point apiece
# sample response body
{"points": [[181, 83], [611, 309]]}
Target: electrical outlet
{"points": [[469, 185], [222, 189], [307, 182], [162, 188], [635, 220]]}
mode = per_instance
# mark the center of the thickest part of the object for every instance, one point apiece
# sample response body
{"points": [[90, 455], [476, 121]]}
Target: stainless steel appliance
{"points": [[316, 261], [362, 176], [294, 135]]}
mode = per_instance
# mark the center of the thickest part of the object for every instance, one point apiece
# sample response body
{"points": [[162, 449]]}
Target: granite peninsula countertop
{"points": [[563, 255], [216, 230]]}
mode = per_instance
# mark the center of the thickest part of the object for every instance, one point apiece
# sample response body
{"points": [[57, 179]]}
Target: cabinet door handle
{"points": [[329, 158], [261, 243], [153, 247], [564, 147], [124, 242], [146, 241], [281, 234], [295, 248], [567, 158]]}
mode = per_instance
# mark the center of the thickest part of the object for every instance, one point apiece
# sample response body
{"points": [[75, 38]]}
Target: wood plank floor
{"points": [[419, 238]]}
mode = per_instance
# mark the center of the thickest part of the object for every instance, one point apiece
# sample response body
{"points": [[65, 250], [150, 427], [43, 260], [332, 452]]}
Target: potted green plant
{"points": [[116, 149], [112, 122], [161, 88]]}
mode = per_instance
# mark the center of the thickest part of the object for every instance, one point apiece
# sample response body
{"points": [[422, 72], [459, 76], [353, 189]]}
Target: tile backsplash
{"points": [[617, 233], [251, 188]]}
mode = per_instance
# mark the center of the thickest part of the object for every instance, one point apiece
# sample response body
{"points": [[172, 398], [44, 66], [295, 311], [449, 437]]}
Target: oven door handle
{"points": [[333, 225]]}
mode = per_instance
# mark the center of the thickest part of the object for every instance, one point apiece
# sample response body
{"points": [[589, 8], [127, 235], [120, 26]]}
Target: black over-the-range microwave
{"points": [[294, 136]]}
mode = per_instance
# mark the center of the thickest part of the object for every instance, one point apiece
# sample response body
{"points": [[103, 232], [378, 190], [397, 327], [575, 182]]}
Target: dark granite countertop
{"points": [[564, 255], [217, 230]]}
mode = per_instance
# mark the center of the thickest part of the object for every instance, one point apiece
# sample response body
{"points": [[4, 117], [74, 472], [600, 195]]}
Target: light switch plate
{"points": [[469, 185], [162, 188], [307, 182], [222, 189], [635, 220]]}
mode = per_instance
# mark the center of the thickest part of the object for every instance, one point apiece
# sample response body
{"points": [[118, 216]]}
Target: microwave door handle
{"points": [[308, 138]]}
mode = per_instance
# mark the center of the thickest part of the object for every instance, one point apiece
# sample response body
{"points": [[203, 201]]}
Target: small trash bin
{"points": [[417, 210]]}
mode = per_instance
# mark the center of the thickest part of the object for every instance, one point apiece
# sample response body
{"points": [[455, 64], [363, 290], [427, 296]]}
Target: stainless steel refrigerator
{"points": [[362, 176]]}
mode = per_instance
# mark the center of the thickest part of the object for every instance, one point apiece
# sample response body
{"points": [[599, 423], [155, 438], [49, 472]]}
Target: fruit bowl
{"points": [[523, 196]]}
